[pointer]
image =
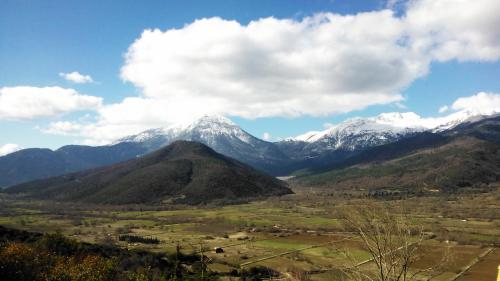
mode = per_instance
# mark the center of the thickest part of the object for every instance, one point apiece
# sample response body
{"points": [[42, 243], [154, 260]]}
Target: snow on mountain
{"points": [[358, 133], [394, 123], [463, 116], [311, 136], [219, 133], [170, 132], [226, 137], [207, 128]]}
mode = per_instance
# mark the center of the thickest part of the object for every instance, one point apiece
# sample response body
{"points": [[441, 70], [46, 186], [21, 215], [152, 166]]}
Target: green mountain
{"points": [[465, 157], [183, 172]]}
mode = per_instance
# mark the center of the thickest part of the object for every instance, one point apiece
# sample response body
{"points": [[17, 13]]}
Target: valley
{"points": [[326, 140], [299, 234], [229, 220]]}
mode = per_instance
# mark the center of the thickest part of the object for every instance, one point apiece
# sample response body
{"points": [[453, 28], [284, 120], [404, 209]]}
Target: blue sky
{"points": [[41, 39]]}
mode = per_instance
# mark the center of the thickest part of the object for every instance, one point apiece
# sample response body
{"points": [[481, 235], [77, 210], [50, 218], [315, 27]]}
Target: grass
{"points": [[272, 227]]}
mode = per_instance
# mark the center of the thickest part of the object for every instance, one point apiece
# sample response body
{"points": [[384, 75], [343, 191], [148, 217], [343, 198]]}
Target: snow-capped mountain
{"points": [[207, 129], [222, 135], [338, 141], [210, 129], [358, 133], [460, 117], [314, 149]]}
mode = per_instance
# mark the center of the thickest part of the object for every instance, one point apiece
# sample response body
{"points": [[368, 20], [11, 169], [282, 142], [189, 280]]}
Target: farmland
{"points": [[302, 232]]}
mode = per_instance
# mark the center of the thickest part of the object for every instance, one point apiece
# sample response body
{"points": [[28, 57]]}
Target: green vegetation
{"points": [[32, 256], [266, 229], [463, 163], [140, 239], [183, 172]]}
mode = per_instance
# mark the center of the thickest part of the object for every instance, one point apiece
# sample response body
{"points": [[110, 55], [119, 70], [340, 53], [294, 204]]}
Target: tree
{"points": [[392, 241]]}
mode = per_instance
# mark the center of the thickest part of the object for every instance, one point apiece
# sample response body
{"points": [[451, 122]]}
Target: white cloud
{"points": [[76, 77], [320, 65], [9, 148], [455, 29], [443, 108], [65, 128], [481, 102], [462, 109], [25, 102], [266, 136]]}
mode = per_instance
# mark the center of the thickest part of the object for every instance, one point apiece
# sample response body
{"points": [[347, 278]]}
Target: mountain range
{"points": [[310, 151], [466, 156], [182, 172]]}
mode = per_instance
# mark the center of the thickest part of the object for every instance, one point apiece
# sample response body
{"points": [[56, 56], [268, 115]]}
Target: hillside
{"points": [[223, 136], [37, 163], [467, 156], [219, 133], [183, 172]]}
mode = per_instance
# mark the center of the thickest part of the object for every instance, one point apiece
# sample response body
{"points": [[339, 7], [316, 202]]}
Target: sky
{"points": [[89, 72]]}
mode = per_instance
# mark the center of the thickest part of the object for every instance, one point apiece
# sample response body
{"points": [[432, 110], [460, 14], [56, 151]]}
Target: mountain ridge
{"points": [[277, 158], [183, 172], [467, 156]]}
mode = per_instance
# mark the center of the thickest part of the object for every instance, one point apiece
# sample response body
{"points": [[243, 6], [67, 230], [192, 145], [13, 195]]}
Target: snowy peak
{"points": [[149, 134], [213, 120], [359, 133], [214, 124], [220, 134], [307, 137], [457, 118], [399, 119], [205, 128], [209, 127], [393, 123]]}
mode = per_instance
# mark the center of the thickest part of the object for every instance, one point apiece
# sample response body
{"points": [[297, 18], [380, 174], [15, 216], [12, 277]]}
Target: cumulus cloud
{"points": [[25, 102], [481, 102], [65, 128], [454, 29], [9, 148], [76, 77], [463, 108], [319, 65]]}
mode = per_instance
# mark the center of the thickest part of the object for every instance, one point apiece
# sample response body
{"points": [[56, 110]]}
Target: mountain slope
{"points": [[35, 163], [467, 156], [353, 135], [219, 133], [311, 151], [222, 135], [185, 172]]}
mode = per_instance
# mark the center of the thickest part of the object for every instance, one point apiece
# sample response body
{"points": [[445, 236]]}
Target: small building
{"points": [[218, 250]]}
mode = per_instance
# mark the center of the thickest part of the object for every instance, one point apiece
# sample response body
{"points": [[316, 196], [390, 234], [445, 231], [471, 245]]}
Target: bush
{"points": [[138, 239], [26, 256]]}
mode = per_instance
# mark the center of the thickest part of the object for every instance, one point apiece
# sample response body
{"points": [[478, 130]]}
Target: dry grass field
{"points": [[296, 233]]}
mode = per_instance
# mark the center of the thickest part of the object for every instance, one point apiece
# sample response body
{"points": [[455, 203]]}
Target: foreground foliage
{"points": [[50, 257]]}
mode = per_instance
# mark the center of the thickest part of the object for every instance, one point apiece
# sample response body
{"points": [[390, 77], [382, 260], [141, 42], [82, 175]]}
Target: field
{"points": [[296, 233]]}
